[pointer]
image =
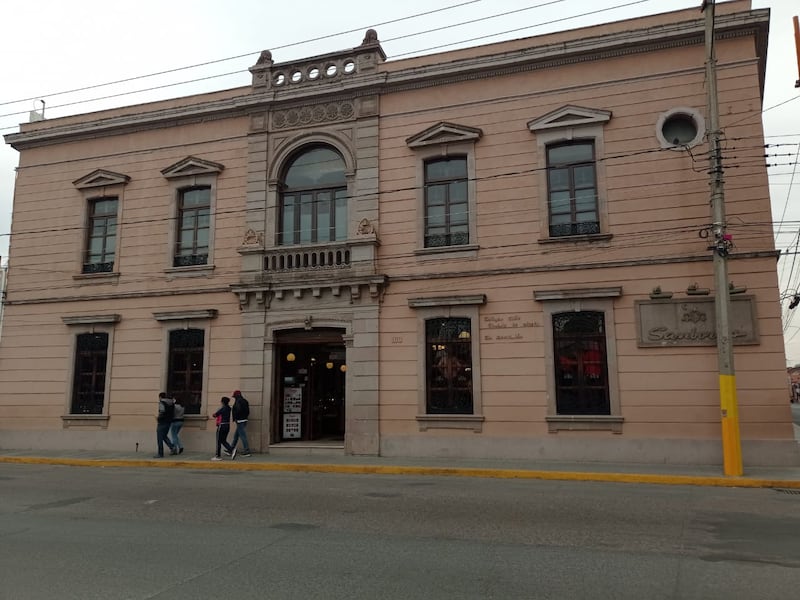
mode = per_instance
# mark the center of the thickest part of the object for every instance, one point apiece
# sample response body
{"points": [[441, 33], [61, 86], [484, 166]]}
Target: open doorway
{"points": [[310, 386]]}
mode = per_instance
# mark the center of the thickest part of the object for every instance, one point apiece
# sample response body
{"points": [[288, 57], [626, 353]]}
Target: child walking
{"points": [[223, 417]]}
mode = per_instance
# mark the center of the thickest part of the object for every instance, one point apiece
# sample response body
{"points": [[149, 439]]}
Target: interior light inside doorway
{"points": [[343, 368], [290, 357], [328, 365]]}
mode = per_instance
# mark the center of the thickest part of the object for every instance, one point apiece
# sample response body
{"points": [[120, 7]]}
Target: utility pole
{"points": [[797, 48], [729, 410]]}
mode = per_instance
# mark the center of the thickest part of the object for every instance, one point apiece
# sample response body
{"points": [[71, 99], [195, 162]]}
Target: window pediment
{"points": [[100, 178], [569, 116], [192, 166], [444, 133]]}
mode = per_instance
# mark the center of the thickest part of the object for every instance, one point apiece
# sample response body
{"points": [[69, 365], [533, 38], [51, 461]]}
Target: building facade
{"points": [[497, 252]]}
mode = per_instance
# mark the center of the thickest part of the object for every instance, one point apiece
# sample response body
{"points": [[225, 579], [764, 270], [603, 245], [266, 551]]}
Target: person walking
{"points": [[166, 411], [223, 417], [241, 412], [175, 428]]}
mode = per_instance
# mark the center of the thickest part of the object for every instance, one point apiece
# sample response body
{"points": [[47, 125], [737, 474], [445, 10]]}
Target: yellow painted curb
{"points": [[698, 480]]}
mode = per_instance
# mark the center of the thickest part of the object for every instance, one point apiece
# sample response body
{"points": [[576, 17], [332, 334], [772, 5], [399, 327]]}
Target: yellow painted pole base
{"points": [[731, 442]]}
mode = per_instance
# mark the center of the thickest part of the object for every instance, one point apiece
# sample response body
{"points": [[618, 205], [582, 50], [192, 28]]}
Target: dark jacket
{"points": [[225, 413], [241, 409]]}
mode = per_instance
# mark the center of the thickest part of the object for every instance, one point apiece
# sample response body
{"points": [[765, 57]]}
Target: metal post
{"points": [[731, 443]]}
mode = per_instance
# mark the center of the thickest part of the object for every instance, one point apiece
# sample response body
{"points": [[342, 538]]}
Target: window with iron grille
{"points": [[101, 243], [89, 382], [449, 366], [193, 222], [446, 202], [185, 375], [581, 365], [572, 189], [314, 198]]}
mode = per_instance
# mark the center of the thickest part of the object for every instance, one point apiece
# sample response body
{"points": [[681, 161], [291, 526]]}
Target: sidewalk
{"points": [[664, 474]]}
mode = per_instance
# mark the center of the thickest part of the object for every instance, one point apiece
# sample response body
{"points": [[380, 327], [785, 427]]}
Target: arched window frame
{"points": [[334, 207]]}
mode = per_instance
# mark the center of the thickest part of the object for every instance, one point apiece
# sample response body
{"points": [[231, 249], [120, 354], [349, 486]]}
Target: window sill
{"points": [[447, 252], [611, 423], [196, 421], [473, 422], [192, 271], [590, 237], [85, 421], [97, 277]]}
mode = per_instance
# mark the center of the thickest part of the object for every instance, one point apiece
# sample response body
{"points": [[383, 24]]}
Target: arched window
{"points": [[314, 198]]}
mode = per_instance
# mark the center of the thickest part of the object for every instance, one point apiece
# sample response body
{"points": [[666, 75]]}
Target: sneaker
{"points": [[180, 451], [227, 452], [233, 454], [216, 458], [245, 453], [173, 451]]}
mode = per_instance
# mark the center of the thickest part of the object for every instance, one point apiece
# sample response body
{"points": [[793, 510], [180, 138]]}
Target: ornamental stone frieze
{"points": [[329, 112]]}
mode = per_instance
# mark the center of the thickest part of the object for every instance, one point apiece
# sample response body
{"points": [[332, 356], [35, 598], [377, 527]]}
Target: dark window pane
{"points": [[581, 369], [449, 366], [446, 206], [570, 153], [185, 369], [317, 167], [88, 389]]}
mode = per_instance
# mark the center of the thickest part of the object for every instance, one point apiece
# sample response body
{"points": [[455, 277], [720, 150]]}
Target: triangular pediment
{"points": [[444, 133], [192, 166], [569, 116], [100, 178]]}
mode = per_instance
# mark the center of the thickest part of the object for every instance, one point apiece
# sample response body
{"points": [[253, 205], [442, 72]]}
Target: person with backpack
{"points": [[241, 412], [177, 425], [166, 412]]}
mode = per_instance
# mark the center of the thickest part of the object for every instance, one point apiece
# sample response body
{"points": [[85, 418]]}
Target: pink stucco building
{"points": [[493, 252]]}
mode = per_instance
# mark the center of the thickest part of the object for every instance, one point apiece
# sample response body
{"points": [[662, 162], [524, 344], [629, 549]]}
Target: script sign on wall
{"points": [[691, 322]]}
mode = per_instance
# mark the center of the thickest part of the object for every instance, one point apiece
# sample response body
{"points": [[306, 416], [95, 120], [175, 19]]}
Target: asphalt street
{"points": [[71, 532]]}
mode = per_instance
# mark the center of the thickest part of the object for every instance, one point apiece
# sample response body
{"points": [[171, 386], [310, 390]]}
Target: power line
{"points": [[211, 62]]}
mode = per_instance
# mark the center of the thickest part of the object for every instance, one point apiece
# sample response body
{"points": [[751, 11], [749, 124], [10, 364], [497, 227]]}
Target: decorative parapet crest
{"points": [[319, 70]]}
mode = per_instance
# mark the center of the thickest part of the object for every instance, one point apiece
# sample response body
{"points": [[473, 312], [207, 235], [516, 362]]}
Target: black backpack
{"points": [[169, 411]]}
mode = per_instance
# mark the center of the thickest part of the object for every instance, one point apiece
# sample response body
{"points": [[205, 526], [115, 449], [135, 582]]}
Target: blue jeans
{"points": [[162, 431], [241, 432], [174, 430]]}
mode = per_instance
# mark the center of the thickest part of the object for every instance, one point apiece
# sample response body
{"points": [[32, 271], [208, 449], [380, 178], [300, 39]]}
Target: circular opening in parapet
{"points": [[349, 67], [280, 79], [679, 128], [313, 73], [330, 70], [296, 76]]}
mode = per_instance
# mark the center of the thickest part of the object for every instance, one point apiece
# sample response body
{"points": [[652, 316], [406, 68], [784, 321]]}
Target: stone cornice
{"points": [[637, 41]]}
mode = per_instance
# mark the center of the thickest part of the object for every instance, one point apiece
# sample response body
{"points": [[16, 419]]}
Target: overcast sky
{"points": [[53, 46]]}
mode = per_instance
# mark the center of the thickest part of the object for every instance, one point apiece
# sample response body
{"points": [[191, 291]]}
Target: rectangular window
{"points": [[194, 222], [314, 217], [449, 366], [581, 365], [185, 375], [572, 189], [446, 203], [89, 384], [101, 243]]}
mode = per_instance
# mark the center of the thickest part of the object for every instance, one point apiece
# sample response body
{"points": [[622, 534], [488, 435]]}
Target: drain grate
{"points": [[787, 491]]}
